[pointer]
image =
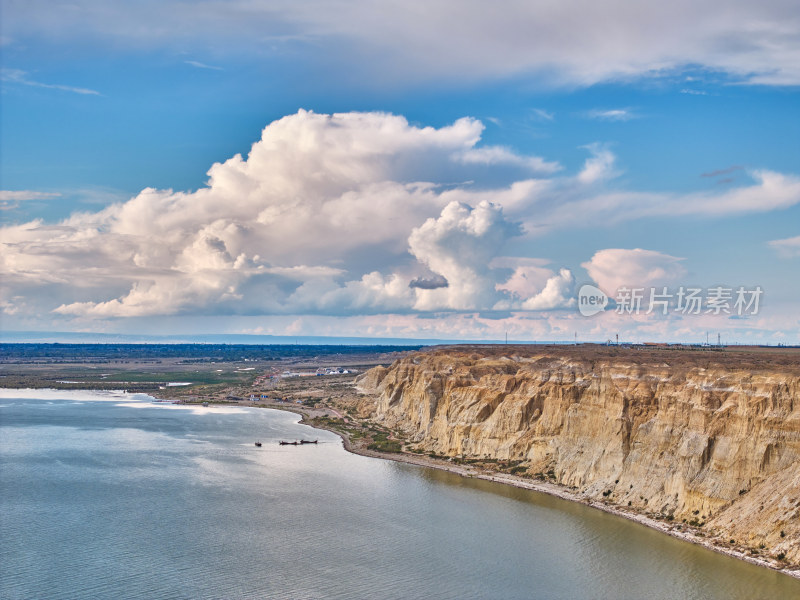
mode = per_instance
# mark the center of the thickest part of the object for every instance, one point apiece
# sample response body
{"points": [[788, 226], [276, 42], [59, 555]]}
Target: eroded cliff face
{"points": [[703, 438]]}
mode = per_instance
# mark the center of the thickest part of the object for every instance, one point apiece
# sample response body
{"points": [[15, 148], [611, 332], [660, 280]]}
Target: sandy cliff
{"points": [[712, 438]]}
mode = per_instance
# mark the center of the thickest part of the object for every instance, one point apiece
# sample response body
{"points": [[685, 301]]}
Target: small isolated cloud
{"points": [[528, 276], [617, 114], [599, 166], [692, 92], [200, 65], [533, 286], [428, 283], [557, 293], [20, 77], [787, 248], [615, 268]]}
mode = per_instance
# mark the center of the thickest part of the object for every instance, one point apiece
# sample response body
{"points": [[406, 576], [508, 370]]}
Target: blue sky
{"points": [[501, 157]]}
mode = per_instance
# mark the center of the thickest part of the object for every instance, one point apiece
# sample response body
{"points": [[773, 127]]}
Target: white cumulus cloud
{"points": [[352, 213], [458, 246], [614, 268], [557, 293], [319, 217]]}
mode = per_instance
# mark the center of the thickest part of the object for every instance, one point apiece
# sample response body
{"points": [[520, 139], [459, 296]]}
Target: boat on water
{"points": [[296, 443], [283, 443], [308, 442], [258, 444]]}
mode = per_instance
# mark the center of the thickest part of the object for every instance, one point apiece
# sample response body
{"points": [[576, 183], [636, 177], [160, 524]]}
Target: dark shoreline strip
{"points": [[545, 488]]}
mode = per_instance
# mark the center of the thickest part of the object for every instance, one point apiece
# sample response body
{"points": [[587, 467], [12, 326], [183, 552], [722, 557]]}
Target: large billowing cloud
{"points": [[351, 214], [331, 214], [572, 41]]}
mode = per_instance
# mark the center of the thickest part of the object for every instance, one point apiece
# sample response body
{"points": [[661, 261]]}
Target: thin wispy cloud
{"points": [[201, 65], [755, 43], [499, 155], [726, 171], [10, 199], [787, 248], [22, 195], [542, 115], [614, 114], [20, 77]]}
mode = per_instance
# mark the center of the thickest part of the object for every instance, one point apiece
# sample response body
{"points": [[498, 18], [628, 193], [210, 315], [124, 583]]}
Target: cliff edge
{"points": [[711, 439]]}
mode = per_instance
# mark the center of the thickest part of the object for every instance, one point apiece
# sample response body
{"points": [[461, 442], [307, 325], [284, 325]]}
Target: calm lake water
{"points": [[108, 495]]}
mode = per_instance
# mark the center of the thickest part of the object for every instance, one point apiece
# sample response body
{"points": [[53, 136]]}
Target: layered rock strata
{"points": [[709, 438]]}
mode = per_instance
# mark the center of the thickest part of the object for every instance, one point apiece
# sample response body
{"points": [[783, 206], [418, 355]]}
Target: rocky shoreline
{"points": [[682, 532]]}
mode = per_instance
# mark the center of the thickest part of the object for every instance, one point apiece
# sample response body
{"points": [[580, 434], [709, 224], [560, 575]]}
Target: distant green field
{"points": [[196, 377], [77, 378]]}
